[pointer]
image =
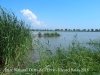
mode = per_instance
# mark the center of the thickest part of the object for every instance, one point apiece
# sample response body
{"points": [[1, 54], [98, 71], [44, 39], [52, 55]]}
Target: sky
{"points": [[56, 14]]}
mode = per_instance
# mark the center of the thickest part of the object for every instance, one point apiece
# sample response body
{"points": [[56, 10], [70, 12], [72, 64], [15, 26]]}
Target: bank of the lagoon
{"points": [[75, 59], [67, 54], [72, 60]]}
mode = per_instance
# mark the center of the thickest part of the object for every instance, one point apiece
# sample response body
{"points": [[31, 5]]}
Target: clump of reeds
{"points": [[39, 34], [15, 39], [48, 34], [93, 42], [51, 34]]}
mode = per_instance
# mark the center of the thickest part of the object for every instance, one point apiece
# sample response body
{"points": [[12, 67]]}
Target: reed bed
{"points": [[76, 59], [55, 34], [15, 40]]}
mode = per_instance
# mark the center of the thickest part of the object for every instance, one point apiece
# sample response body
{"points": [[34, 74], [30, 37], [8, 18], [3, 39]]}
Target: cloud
{"points": [[32, 17]]}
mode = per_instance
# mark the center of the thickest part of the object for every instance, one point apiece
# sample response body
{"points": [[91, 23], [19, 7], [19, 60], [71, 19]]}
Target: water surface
{"points": [[65, 39]]}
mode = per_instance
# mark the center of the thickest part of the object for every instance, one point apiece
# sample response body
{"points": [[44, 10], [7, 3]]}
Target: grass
{"points": [[15, 40], [74, 60], [48, 34]]}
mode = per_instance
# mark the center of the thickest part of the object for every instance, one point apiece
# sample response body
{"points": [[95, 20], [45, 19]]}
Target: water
{"points": [[65, 39]]}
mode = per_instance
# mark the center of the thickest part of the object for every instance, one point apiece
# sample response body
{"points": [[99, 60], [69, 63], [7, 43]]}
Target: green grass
{"points": [[15, 40], [74, 60]]}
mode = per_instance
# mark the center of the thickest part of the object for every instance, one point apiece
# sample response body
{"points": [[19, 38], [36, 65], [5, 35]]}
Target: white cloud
{"points": [[32, 17]]}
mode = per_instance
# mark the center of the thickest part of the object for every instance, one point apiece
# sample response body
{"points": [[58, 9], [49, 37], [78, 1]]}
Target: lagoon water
{"points": [[65, 39]]}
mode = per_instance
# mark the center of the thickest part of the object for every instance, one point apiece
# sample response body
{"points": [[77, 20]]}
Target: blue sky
{"points": [[52, 14]]}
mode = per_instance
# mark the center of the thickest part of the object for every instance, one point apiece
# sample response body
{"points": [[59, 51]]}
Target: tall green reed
{"points": [[15, 39]]}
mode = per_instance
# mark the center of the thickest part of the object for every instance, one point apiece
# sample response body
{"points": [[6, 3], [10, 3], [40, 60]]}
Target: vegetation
{"points": [[93, 42], [74, 60], [15, 40], [51, 34], [39, 34], [48, 34]]}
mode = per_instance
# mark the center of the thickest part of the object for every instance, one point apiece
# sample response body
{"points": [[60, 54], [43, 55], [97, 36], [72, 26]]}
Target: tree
{"points": [[84, 30], [61, 29], [99, 30], [78, 30], [69, 29], [88, 30], [73, 29], [92, 30], [57, 29], [96, 30], [65, 29]]}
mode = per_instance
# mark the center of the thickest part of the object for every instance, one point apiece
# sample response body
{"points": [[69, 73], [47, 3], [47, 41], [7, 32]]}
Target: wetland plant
{"points": [[74, 60], [51, 34], [15, 40]]}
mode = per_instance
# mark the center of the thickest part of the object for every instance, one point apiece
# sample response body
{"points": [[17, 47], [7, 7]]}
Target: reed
{"points": [[51, 34], [94, 42], [55, 34], [74, 60], [15, 40]]}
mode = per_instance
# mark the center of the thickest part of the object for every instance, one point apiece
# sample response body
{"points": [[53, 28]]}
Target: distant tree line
{"points": [[69, 30]]}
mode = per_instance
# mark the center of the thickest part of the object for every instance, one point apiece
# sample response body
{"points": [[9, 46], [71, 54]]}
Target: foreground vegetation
{"points": [[15, 40], [74, 60]]}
